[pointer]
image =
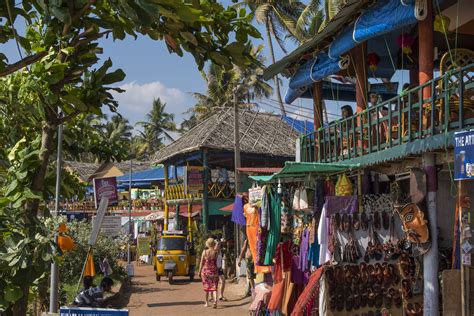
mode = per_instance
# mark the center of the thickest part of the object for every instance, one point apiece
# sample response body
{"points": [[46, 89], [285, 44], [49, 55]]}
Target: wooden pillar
{"points": [[359, 56], [205, 195], [165, 224], [426, 55], [190, 229], [464, 205], [318, 117], [430, 258]]}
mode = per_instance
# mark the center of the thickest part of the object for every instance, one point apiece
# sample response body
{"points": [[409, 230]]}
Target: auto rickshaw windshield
{"points": [[171, 243]]}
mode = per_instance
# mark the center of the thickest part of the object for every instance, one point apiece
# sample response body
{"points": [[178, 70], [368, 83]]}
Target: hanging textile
{"points": [[344, 186], [318, 196], [377, 202], [252, 226], [275, 226], [304, 247], [310, 294], [341, 204], [262, 239], [323, 238], [329, 188], [238, 216], [265, 209]]}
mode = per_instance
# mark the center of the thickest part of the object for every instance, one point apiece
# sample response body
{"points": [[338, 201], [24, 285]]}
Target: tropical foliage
{"points": [[156, 130], [58, 80], [224, 87]]}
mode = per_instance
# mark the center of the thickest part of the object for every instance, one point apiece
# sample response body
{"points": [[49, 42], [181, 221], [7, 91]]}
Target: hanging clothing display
{"points": [[342, 204], [238, 216], [275, 222], [309, 298]]}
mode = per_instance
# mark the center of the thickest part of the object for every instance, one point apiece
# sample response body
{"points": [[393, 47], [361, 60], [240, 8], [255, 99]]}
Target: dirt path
{"points": [[149, 297]]}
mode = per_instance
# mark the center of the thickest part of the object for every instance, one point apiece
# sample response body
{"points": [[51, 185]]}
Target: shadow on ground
{"points": [[165, 304]]}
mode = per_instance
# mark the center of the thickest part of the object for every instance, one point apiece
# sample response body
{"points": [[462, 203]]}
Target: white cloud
{"points": [[137, 100]]}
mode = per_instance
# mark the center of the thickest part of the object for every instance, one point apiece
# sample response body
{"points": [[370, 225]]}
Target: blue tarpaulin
{"points": [[343, 92], [77, 311], [313, 70], [302, 127], [155, 174], [382, 18]]}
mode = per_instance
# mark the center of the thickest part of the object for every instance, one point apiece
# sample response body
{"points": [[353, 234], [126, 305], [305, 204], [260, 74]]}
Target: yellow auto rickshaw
{"points": [[174, 257]]}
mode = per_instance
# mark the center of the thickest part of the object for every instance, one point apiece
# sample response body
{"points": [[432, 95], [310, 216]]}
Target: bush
{"points": [[72, 262]]}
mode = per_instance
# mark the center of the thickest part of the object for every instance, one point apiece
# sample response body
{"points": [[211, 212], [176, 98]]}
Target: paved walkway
{"points": [[149, 297]]}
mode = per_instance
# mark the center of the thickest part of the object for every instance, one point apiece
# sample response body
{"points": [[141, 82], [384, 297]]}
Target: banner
{"points": [[464, 155], [143, 246], [105, 187], [194, 180], [98, 221], [111, 225]]}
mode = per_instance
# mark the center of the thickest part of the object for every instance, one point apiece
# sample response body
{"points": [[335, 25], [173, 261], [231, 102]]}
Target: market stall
{"points": [[323, 243]]}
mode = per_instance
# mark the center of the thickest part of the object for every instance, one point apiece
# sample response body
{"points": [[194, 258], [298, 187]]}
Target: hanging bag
{"points": [[296, 199], [255, 195], [303, 199]]}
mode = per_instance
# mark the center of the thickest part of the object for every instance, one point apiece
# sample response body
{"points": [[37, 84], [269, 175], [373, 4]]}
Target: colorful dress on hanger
{"points": [[275, 226]]}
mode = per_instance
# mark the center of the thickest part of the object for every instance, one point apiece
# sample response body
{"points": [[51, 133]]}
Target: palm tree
{"points": [[158, 126], [279, 18], [118, 129], [245, 84]]}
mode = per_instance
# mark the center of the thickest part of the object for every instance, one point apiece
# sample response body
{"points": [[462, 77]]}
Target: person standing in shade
{"points": [[220, 272], [249, 264], [208, 270]]}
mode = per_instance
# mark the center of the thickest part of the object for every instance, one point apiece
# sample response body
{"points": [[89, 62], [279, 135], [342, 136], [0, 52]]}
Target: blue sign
{"points": [[79, 311], [464, 155]]}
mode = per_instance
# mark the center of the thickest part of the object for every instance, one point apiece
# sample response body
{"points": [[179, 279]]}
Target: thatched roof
{"points": [[83, 169], [260, 133]]}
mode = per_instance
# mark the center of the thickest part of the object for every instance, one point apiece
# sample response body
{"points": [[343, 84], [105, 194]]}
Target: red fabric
{"points": [[283, 258], [329, 188], [309, 294]]}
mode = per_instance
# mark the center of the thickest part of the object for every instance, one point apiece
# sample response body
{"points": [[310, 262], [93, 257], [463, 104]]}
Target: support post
{"points": [[190, 230], [205, 195], [464, 223], [426, 56], [318, 116], [165, 224], [359, 56], [54, 285], [236, 165], [430, 259]]}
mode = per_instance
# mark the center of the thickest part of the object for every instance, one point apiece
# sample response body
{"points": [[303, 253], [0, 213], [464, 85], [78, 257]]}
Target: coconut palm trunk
{"points": [[272, 54]]}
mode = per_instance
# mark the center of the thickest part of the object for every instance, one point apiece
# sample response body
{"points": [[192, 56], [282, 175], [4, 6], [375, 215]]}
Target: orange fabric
{"points": [[252, 220], [90, 268]]}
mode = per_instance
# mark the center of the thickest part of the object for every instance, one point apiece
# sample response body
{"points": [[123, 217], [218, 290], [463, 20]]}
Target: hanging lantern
{"points": [[65, 242], [405, 41], [441, 23], [373, 60]]}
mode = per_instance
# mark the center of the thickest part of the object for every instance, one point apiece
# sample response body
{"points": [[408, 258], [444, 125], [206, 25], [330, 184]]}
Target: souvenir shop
{"points": [[323, 244]]}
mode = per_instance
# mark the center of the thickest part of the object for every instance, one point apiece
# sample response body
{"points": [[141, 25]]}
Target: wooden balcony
{"points": [[399, 126]]}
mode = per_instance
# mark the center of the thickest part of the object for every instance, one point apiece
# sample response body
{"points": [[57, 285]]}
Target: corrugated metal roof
{"points": [[346, 15]]}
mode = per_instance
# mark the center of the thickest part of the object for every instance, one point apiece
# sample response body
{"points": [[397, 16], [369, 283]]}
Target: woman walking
{"points": [[208, 270]]}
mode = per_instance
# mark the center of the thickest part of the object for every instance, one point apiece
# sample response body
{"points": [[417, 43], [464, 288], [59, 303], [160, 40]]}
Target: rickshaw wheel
{"points": [[170, 277]]}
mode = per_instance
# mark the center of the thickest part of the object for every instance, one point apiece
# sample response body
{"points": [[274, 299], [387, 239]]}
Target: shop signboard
{"points": [[106, 187], [194, 180], [143, 246], [464, 155], [111, 226]]}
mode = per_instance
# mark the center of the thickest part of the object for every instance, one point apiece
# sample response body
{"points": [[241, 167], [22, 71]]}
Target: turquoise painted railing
{"points": [[396, 121]]}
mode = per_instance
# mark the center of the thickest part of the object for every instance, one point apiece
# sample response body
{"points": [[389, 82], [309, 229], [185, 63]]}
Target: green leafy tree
{"points": [[157, 127], [243, 84], [58, 80]]}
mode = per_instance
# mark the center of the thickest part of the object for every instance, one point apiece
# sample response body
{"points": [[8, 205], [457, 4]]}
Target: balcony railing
{"points": [[403, 119]]}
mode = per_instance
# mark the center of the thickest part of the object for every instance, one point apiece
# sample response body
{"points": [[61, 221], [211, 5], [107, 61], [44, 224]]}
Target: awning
{"points": [[343, 92], [227, 208], [383, 17], [303, 169], [320, 40], [317, 69]]}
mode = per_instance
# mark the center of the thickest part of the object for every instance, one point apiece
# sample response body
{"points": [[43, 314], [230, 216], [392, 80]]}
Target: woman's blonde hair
{"points": [[210, 243]]}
